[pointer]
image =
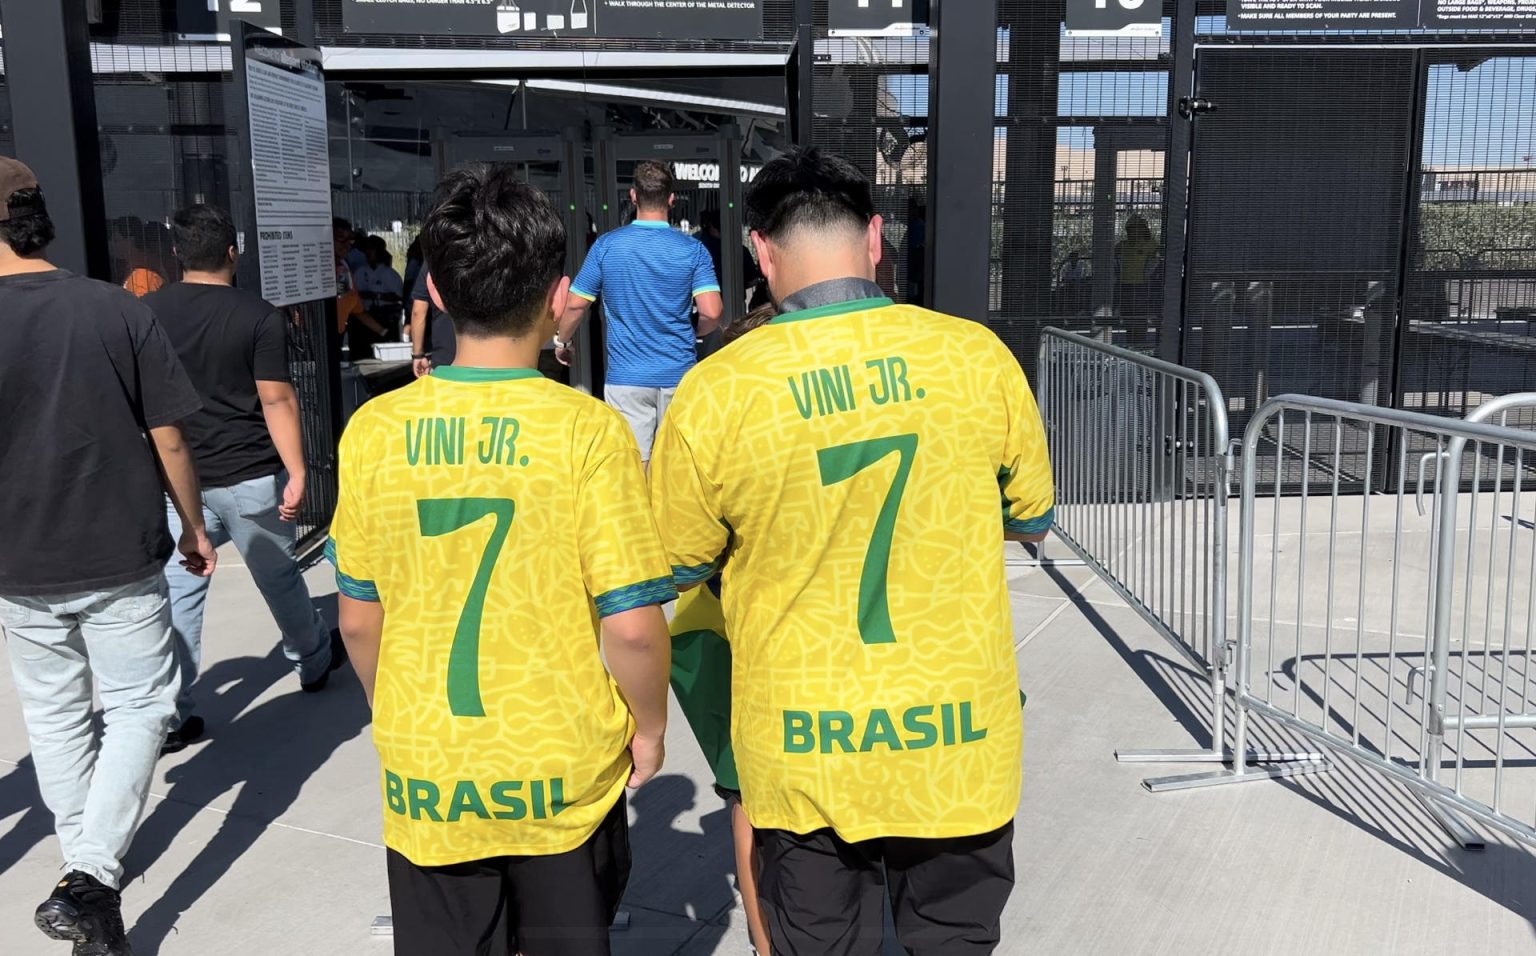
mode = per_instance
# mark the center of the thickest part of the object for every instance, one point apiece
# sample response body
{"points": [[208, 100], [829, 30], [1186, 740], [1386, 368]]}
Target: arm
{"points": [[362, 626], [639, 654], [180, 478], [280, 407], [420, 364], [711, 309], [575, 313]]}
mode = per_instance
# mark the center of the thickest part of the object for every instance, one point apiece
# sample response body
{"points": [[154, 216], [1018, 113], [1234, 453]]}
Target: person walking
{"points": [[249, 450], [501, 582], [855, 466], [92, 393], [649, 277]]}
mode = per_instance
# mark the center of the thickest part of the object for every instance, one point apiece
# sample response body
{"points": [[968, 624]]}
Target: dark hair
{"points": [[202, 236], [653, 184], [808, 189], [750, 322], [494, 245], [29, 230], [338, 224]]}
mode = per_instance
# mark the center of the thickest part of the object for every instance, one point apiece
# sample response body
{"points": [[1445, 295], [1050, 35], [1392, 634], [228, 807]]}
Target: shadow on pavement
{"points": [[676, 871], [18, 794], [268, 752]]}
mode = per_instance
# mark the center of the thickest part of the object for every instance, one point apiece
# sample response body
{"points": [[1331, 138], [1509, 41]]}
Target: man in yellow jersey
{"points": [[492, 528], [854, 467]]}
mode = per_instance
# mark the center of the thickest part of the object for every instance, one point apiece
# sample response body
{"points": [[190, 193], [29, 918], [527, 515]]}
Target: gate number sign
{"points": [[1114, 18]]}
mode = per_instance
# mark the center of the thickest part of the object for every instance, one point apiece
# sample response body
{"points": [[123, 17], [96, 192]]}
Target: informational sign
{"points": [[877, 18], [633, 19], [707, 175], [1114, 18], [290, 174], [210, 17], [1292, 15]]}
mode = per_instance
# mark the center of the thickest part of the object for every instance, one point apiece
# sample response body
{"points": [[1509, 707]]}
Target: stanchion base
{"points": [[1222, 777], [1210, 756], [1453, 823]]}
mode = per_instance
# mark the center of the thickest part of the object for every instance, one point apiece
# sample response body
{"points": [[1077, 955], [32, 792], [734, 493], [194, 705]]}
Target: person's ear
{"points": [[634, 198], [234, 254], [876, 240], [437, 300], [671, 198], [559, 298], [765, 263]]}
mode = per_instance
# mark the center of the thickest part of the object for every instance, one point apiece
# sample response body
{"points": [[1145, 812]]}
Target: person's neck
{"points": [[651, 215], [14, 265], [197, 277], [498, 351]]}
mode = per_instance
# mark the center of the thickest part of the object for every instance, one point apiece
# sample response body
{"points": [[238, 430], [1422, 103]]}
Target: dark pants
{"points": [[560, 905], [824, 896]]}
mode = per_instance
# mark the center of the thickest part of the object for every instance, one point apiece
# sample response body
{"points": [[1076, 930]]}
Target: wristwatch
{"points": [[559, 345]]}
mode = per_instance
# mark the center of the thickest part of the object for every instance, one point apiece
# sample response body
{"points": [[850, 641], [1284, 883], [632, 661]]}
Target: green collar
{"points": [[652, 224], [462, 373], [836, 308]]}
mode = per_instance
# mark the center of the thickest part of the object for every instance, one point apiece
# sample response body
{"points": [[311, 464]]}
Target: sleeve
{"points": [[271, 355], [419, 291], [1024, 473], [393, 283], [687, 506], [166, 395], [704, 278], [621, 557], [589, 281], [352, 542]]}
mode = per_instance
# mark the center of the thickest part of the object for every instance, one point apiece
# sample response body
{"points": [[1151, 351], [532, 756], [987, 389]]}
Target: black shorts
{"points": [[823, 896], [560, 905]]}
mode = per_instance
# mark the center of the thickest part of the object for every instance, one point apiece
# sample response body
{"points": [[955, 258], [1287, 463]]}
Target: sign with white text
{"points": [[1114, 18], [636, 19]]}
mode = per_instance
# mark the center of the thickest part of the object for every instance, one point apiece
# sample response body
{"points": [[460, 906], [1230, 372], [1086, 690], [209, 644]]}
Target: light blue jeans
{"points": [[247, 515], [120, 641]]}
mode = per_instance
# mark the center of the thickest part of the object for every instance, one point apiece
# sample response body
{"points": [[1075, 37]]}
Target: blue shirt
{"points": [[647, 274]]}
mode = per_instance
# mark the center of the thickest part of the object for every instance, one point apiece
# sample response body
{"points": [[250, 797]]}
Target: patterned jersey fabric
{"points": [[854, 467], [498, 516]]}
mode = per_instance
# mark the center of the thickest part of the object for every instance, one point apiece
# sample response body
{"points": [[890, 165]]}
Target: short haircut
{"points": [[750, 322], [27, 232], [653, 184], [339, 224], [202, 236], [710, 219], [808, 189], [493, 245]]}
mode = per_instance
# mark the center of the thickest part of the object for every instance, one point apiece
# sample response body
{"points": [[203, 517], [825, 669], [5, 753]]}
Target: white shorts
{"points": [[642, 408]]}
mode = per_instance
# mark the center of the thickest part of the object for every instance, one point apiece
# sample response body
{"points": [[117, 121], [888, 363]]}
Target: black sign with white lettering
{"points": [[852, 18], [1289, 15], [664, 19], [1114, 18]]}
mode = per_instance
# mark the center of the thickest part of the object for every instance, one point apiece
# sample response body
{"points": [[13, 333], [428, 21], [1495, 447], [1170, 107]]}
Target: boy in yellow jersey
{"points": [[854, 467], [492, 537]]}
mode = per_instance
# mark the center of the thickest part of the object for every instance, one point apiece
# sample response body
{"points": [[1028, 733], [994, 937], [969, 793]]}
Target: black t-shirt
{"points": [[442, 342], [228, 340], [85, 372]]}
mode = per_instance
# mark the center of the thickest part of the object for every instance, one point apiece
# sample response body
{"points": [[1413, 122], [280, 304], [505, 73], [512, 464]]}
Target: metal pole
{"points": [[802, 78], [1176, 190], [304, 21], [961, 138], [732, 281], [48, 56]]}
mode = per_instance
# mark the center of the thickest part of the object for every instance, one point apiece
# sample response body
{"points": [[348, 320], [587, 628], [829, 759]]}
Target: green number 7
{"points": [[439, 516], [842, 462]]}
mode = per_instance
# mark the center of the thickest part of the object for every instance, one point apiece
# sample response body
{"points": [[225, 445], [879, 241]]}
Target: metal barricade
{"points": [[312, 366], [1344, 599], [1141, 455]]}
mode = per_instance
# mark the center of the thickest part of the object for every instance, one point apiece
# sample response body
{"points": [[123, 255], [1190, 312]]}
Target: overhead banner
{"points": [[1293, 15], [290, 174], [618, 19], [877, 18], [1114, 18]]}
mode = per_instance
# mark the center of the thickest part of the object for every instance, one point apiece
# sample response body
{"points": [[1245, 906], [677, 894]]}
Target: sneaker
{"points": [[176, 741], [87, 912], [338, 658]]}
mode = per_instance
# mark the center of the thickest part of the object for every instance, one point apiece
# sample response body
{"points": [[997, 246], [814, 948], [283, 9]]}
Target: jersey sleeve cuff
{"points": [[631, 596], [688, 576], [582, 294], [706, 288], [358, 589], [1037, 525]]}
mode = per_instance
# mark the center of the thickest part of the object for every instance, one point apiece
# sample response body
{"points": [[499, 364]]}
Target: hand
{"points": [[566, 355], [293, 497], [197, 554], [421, 366], [648, 754]]}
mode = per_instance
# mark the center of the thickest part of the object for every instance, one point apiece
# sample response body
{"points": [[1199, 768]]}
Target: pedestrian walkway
{"points": [[264, 837]]}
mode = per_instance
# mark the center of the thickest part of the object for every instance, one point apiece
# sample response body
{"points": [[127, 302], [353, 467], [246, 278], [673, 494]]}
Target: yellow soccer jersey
{"points": [[854, 468], [498, 516]]}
